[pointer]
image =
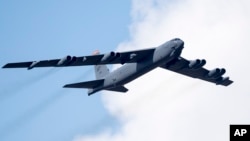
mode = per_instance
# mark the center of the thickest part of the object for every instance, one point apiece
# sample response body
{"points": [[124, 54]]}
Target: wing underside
{"points": [[68, 61], [192, 69]]}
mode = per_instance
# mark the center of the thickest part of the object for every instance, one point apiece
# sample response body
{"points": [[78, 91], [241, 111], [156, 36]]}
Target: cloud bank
{"points": [[162, 105]]}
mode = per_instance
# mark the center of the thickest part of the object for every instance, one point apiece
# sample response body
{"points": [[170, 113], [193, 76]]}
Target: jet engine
{"points": [[196, 64], [65, 60], [73, 59], [216, 73], [110, 56]]}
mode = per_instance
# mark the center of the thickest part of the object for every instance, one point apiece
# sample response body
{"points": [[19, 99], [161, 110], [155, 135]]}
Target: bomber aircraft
{"points": [[134, 64]]}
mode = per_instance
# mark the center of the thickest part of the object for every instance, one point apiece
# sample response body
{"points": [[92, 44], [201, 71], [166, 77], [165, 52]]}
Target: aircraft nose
{"points": [[181, 44]]}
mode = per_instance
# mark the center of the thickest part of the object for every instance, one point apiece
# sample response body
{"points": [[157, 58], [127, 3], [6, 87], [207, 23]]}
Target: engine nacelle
{"points": [[117, 54], [196, 64], [64, 60], [109, 56], [216, 73], [73, 59]]}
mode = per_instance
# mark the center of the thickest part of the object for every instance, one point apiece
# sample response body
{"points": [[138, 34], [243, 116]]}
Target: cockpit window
{"points": [[175, 39]]}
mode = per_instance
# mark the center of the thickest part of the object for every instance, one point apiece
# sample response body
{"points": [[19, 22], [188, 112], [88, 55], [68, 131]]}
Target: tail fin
{"points": [[100, 70]]}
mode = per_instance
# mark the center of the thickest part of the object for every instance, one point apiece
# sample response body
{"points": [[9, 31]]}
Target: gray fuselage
{"points": [[130, 71]]}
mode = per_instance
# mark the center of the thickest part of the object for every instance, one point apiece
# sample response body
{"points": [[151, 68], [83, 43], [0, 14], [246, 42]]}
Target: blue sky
{"points": [[33, 104]]}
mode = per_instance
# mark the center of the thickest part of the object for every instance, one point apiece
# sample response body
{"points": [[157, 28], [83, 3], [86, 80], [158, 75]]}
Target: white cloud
{"points": [[162, 105]]}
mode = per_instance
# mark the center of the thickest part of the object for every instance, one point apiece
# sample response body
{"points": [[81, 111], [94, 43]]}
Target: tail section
{"points": [[118, 89], [96, 85], [100, 70], [114, 89], [87, 84]]}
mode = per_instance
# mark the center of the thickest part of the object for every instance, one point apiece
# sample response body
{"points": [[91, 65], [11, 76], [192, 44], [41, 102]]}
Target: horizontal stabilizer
{"points": [[87, 84], [118, 89]]}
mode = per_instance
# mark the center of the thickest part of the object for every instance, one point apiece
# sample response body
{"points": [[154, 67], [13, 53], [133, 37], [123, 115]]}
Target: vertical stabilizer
{"points": [[100, 70]]}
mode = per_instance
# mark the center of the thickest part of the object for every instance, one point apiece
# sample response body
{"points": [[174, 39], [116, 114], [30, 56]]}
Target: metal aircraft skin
{"points": [[135, 64]]}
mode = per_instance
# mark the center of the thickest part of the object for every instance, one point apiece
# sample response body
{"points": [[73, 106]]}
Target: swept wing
{"points": [[68, 61], [195, 69]]}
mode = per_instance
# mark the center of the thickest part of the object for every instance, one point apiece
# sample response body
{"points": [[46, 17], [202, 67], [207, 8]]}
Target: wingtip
{"points": [[231, 82], [225, 81], [4, 66], [228, 82], [65, 86]]}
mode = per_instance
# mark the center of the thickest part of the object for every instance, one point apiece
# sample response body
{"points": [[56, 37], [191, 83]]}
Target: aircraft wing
{"points": [[195, 69], [108, 58]]}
